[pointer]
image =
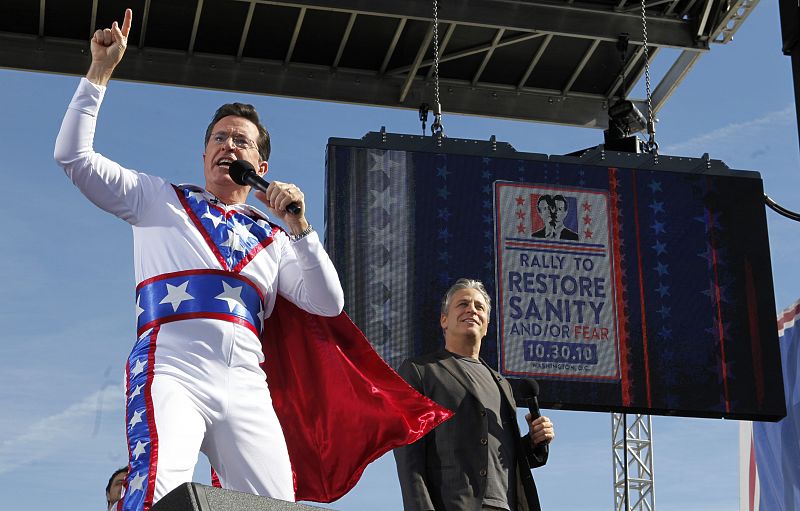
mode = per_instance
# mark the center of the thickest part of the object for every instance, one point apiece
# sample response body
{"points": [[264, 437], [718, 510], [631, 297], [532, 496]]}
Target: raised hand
{"points": [[108, 47]]}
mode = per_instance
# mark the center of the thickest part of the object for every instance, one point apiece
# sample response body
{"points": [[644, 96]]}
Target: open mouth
{"points": [[225, 162]]}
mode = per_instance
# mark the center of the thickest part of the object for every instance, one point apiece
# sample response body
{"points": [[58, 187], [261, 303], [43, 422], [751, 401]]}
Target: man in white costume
{"points": [[208, 268]]}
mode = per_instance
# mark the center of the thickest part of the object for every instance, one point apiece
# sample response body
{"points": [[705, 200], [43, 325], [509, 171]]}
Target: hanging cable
{"points": [[774, 206], [652, 145], [437, 128], [424, 108]]}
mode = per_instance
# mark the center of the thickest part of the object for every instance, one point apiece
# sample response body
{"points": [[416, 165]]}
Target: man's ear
{"points": [[263, 168], [443, 321]]}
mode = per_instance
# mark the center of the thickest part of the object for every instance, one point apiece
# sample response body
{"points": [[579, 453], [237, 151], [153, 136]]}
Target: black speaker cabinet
{"points": [[198, 497]]}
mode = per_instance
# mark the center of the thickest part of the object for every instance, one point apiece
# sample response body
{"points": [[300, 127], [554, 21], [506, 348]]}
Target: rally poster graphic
{"points": [[555, 286]]}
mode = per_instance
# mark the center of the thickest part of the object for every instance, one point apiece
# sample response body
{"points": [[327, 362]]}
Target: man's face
{"points": [[561, 211], [115, 491], [544, 211], [222, 149], [467, 316]]}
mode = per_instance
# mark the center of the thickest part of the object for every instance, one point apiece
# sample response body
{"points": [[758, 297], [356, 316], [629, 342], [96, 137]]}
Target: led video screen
{"points": [[617, 283]]}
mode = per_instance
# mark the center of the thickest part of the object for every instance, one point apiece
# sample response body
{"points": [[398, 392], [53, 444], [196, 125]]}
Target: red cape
{"points": [[340, 405]]}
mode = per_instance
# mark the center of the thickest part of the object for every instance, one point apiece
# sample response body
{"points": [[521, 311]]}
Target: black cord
{"points": [[774, 206]]}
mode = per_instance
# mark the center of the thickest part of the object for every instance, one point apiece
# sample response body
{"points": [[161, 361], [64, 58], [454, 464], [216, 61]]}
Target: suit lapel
{"points": [[505, 387], [450, 363]]}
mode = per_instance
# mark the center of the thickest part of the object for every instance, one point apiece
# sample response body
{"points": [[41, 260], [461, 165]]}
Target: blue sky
{"points": [[67, 281]]}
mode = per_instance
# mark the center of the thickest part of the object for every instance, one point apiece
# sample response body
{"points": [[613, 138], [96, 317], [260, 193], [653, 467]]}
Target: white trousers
{"points": [[204, 392]]}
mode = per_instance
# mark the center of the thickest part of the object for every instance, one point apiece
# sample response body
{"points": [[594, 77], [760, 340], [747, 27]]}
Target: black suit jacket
{"points": [[446, 469]]}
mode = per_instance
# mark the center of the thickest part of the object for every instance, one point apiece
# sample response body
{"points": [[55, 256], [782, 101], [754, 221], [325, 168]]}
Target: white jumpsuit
{"points": [[207, 277]]}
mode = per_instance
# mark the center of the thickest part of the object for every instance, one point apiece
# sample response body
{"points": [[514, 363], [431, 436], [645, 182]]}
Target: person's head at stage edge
{"points": [[465, 317], [234, 133], [115, 484]]}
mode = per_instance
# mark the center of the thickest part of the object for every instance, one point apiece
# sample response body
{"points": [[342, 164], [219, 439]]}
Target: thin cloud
{"points": [[44, 438], [733, 135]]}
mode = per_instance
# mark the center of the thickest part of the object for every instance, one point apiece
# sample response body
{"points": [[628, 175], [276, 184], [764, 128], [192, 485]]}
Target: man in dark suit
{"points": [[476, 460]]}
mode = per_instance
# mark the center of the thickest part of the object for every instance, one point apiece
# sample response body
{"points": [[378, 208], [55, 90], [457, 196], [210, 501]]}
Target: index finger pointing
{"points": [[126, 23]]}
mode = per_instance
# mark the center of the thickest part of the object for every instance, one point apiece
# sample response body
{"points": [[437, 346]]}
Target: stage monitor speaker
{"points": [[198, 497]]}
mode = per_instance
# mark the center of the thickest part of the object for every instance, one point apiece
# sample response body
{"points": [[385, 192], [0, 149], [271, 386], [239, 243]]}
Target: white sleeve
{"points": [[107, 184], [308, 278]]}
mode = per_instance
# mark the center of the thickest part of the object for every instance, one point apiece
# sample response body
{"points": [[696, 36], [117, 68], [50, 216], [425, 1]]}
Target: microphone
{"points": [[243, 173], [530, 389]]}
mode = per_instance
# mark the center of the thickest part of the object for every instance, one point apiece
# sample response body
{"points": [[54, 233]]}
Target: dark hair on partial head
{"points": [[248, 112], [562, 199], [111, 479]]}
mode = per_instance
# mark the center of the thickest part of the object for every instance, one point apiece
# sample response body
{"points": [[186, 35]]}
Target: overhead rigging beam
{"points": [[245, 30], [298, 24], [467, 52], [535, 60], [398, 31], [145, 16], [345, 37], [195, 25], [524, 16], [580, 67], [488, 55], [412, 73]]}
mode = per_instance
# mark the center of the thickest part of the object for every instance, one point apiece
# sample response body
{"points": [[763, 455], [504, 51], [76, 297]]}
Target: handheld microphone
{"points": [[243, 173], [530, 389]]}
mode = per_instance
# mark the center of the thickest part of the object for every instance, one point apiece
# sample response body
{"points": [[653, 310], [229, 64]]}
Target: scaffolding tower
{"points": [[632, 443]]}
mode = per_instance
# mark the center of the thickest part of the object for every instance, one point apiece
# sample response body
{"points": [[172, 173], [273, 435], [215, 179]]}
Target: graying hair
{"points": [[466, 284]]}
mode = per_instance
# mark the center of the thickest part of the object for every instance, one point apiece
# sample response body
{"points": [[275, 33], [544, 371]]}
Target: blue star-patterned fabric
{"points": [[199, 293], [234, 237]]}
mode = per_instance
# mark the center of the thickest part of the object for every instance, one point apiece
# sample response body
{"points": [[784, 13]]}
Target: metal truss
{"points": [[632, 443]]}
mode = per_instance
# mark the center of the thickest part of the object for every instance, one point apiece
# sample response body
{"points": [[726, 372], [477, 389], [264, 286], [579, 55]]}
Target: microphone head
{"points": [[530, 388], [238, 169]]}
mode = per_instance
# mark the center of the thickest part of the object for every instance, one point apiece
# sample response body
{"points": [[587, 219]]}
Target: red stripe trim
{"points": [[755, 335], [557, 247], [642, 306], [264, 244], [788, 315], [199, 315], [151, 421], [622, 330], [199, 226], [720, 326], [184, 273]]}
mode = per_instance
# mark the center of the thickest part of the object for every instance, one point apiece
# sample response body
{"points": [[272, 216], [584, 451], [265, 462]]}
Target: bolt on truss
{"points": [[632, 443]]}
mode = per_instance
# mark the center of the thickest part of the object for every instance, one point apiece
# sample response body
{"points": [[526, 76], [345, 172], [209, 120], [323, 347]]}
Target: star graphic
{"points": [[136, 419], [176, 295], [521, 228], [136, 483], [444, 234], [444, 256], [486, 174], [587, 207], [231, 295], [521, 214], [195, 196], [442, 172], [664, 311], [139, 449], [661, 269], [665, 332], [137, 368], [587, 234], [587, 220], [442, 192], [137, 391], [215, 219], [487, 219], [660, 248], [662, 290], [658, 227], [444, 214], [139, 310], [384, 199], [487, 204], [520, 201], [487, 189], [657, 207], [655, 186]]}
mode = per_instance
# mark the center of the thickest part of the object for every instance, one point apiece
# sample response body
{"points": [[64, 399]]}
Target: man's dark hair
{"points": [[248, 112], [111, 479], [562, 199]]}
